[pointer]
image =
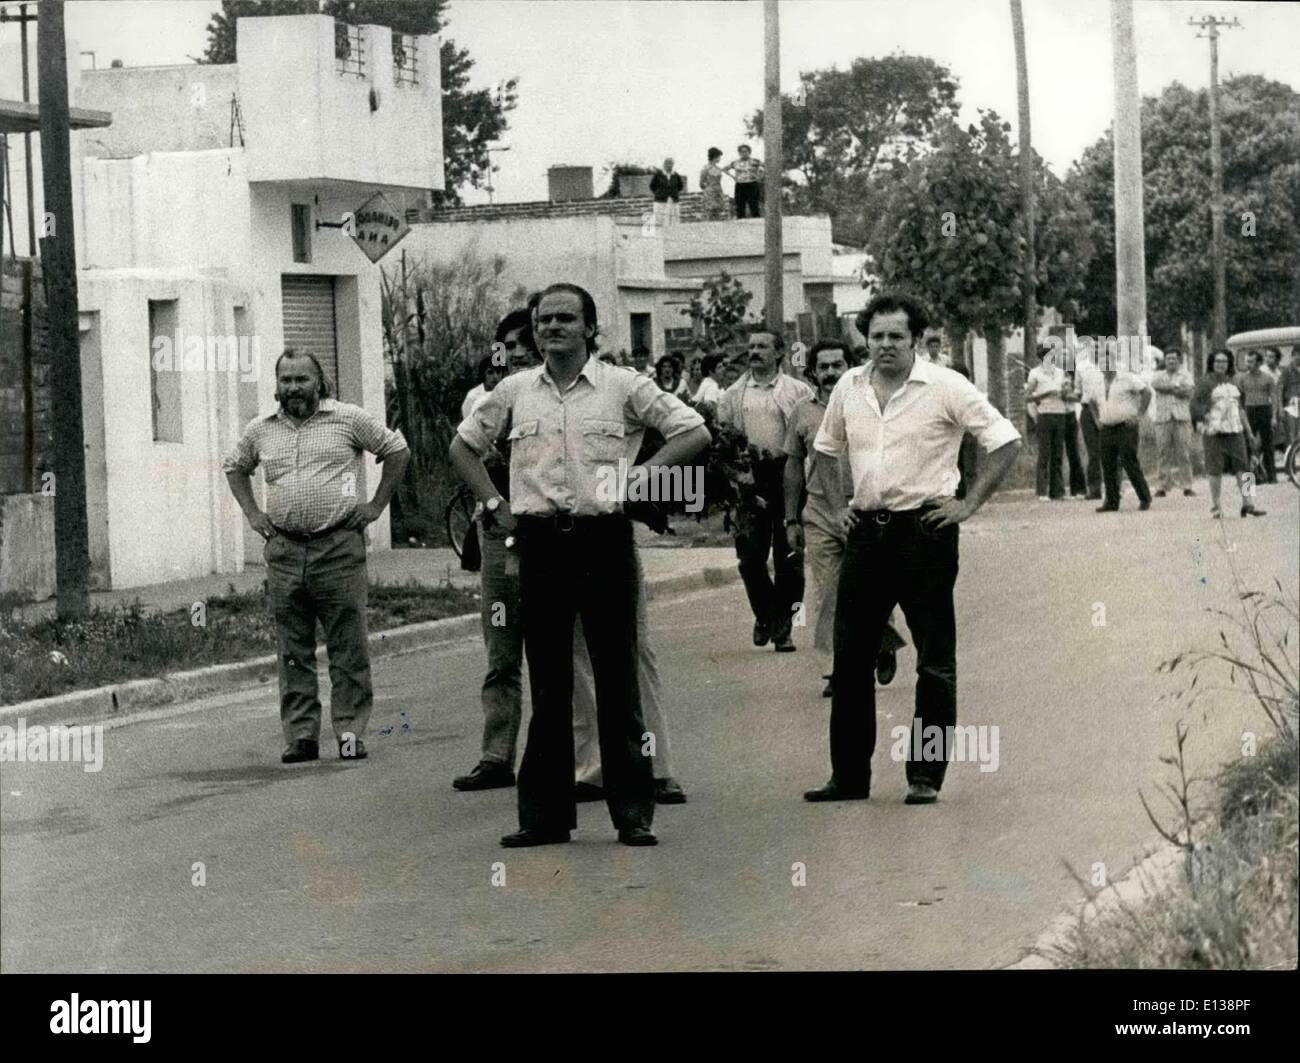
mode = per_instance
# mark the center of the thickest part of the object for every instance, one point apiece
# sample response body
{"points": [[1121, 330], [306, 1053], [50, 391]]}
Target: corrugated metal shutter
{"points": [[308, 304]]}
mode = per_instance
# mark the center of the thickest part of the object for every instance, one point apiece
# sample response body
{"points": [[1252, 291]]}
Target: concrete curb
{"points": [[82, 706], [1144, 882]]}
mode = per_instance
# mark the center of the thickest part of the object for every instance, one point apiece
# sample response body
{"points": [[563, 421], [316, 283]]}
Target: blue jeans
{"points": [[898, 562]]}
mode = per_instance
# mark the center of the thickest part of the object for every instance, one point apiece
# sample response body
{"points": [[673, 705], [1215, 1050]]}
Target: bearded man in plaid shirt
{"points": [[310, 451]]}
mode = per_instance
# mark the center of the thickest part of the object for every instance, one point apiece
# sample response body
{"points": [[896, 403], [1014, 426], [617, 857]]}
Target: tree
{"points": [[719, 311], [471, 119], [843, 124], [1261, 126], [438, 321], [951, 231]]}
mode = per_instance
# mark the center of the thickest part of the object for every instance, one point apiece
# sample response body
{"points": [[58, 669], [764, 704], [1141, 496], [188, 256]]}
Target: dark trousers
{"points": [[749, 199], [590, 571], [1119, 446], [1051, 428], [1078, 485], [903, 563], [1261, 423], [322, 580], [759, 532], [1092, 440]]}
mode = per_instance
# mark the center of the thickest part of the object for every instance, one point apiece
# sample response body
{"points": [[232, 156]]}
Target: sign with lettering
{"points": [[377, 227]]}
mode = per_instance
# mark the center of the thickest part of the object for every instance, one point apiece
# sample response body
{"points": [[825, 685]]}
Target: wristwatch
{"points": [[792, 520]]}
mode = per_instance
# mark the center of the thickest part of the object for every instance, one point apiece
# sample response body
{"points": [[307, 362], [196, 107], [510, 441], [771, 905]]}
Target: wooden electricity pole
{"points": [[59, 259], [774, 166], [1209, 26], [1130, 248], [1029, 259]]}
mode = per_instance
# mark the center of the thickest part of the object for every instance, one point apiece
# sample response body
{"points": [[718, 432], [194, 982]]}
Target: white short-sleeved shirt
{"points": [[906, 455]]}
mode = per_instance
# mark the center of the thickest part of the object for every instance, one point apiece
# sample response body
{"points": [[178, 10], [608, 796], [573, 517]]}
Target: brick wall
{"points": [[691, 206], [13, 470]]}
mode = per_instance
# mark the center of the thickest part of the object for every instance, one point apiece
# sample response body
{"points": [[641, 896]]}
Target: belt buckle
{"points": [[564, 521], [882, 517]]}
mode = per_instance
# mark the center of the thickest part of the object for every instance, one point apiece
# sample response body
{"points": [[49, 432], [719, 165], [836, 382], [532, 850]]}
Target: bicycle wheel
{"points": [[458, 517], [1291, 463]]}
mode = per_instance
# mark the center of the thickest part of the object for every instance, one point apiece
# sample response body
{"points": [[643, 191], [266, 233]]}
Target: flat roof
{"points": [[19, 117]]}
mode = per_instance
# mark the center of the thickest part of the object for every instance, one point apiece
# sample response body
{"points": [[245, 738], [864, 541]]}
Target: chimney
{"points": [[565, 183]]}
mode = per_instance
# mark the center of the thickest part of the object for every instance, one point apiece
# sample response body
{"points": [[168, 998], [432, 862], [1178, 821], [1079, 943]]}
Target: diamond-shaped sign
{"points": [[377, 227]]}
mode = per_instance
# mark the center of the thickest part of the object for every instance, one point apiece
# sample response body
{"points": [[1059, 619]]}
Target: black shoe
{"points": [[783, 643], [1108, 509], [828, 691], [300, 750], [525, 838], [833, 791], [358, 751], [669, 791], [1145, 505], [1161, 493], [1251, 511], [586, 791], [920, 793], [761, 636], [886, 667], [1188, 493], [637, 836], [487, 775]]}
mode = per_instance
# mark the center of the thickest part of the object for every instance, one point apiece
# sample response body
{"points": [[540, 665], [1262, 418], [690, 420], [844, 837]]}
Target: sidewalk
{"points": [[429, 567]]}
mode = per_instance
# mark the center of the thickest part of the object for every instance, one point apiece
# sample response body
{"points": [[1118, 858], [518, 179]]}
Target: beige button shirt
{"points": [[763, 411], [1121, 402], [906, 455], [312, 470], [563, 446], [1044, 378]]}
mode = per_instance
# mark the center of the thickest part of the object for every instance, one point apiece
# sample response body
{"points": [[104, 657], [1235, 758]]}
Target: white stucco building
{"points": [[641, 275], [197, 217]]}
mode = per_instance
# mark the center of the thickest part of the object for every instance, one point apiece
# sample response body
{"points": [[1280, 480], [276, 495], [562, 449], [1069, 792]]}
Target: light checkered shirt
{"points": [[313, 470]]}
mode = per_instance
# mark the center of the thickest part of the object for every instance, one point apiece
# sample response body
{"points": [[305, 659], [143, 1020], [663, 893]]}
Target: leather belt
{"points": [[886, 516], [308, 537]]}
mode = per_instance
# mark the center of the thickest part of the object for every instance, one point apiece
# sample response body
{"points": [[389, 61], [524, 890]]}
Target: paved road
{"points": [[382, 866]]}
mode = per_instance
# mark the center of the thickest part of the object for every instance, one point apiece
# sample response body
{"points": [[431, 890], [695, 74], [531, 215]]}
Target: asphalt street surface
{"points": [[381, 866]]}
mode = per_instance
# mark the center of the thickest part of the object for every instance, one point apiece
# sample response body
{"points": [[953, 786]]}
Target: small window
{"points": [[641, 334], [166, 364], [301, 232]]}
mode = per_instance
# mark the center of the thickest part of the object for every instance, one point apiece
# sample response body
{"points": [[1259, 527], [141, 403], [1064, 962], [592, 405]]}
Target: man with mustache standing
{"points": [[761, 404], [568, 420], [820, 527], [310, 451], [900, 419]]}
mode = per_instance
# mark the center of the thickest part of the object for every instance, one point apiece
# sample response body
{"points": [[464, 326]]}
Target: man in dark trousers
{"points": [[761, 405], [570, 421], [310, 452], [900, 419]]}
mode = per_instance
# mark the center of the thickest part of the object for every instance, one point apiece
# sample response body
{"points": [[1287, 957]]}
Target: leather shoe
{"points": [[1251, 511], [668, 791], [1145, 505], [525, 838], [637, 836], [586, 791], [833, 791], [783, 643], [358, 751], [761, 637], [487, 775], [1161, 493], [886, 667], [300, 750], [1108, 509], [920, 793]]}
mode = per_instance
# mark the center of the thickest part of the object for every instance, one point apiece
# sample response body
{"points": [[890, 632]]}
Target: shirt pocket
{"points": [[602, 440], [523, 440]]}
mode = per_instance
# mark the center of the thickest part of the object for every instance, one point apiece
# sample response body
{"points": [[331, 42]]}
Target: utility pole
{"points": [[774, 165], [1130, 247], [1026, 194], [59, 258], [1209, 27]]}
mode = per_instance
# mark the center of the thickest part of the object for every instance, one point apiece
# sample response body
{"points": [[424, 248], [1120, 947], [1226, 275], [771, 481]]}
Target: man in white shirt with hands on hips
{"points": [[901, 421]]}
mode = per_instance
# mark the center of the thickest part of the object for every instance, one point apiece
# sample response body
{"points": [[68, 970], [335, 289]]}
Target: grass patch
{"points": [[42, 658]]}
